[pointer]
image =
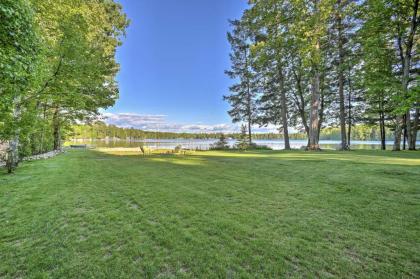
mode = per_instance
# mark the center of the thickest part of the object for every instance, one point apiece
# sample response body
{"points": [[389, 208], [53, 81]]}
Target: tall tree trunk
{"points": [[349, 134], [406, 64], [284, 111], [322, 107], [57, 129], [414, 130], [349, 119], [249, 101], [249, 124], [382, 130], [249, 132], [398, 133], [314, 116], [12, 160], [382, 124], [300, 102], [344, 145], [406, 74], [408, 129], [340, 66], [404, 135], [44, 116]]}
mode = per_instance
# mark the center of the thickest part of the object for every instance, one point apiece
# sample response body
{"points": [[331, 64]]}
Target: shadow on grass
{"points": [[201, 158], [247, 159]]}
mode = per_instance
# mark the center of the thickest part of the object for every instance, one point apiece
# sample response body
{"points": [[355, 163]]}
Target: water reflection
{"points": [[205, 144]]}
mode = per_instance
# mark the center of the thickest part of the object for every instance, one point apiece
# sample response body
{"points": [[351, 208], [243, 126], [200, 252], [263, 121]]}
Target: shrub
{"points": [[259, 147], [222, 144], [178, 148]]}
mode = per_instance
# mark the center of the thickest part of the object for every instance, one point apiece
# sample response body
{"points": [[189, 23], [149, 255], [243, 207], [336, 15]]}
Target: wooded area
{"points": [[57, 66], [315, 64]]}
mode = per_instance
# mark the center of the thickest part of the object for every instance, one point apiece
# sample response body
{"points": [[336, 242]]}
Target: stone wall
{"points": [[37, 157], [43, 156]]}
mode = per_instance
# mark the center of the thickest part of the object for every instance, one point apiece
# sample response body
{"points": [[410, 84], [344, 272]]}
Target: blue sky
{"points": [[172, 65]]}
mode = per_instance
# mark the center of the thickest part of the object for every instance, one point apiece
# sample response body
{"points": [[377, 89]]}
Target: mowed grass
{"points": [[276, 214]]}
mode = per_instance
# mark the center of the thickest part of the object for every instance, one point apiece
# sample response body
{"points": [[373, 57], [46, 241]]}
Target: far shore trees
{"points": [[101, 131]]}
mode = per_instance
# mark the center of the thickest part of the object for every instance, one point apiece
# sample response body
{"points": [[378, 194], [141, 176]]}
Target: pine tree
{"points": [[407, 21], [221, 144], [242, 142], [243, 94], [272, 51], [342, 31]]}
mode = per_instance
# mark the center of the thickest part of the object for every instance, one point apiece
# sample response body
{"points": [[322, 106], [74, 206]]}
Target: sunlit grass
{"points": [[114, 214], [361, 156]]}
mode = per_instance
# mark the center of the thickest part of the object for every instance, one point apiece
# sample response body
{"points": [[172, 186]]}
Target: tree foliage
{"points": [[327, 63], [243, 93], [58, 66]]}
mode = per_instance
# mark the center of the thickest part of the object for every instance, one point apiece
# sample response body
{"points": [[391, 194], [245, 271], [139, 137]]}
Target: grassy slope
{"points": [[262, 214]]}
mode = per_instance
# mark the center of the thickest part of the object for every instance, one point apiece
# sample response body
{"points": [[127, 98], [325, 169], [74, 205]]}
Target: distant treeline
{"points": [[100, 130]]}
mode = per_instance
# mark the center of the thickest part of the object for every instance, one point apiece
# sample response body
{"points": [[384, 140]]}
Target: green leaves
{"points": [[57, 60]]}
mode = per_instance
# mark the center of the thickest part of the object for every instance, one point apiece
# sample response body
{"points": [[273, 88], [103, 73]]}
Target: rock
{"points": [[44, 156]]}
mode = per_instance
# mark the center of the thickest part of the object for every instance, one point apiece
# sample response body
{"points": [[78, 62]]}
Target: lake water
{"points": [[205, 144]]}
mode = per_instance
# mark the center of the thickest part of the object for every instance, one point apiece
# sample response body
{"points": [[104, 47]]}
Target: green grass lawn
{"points": [[261, 214]]}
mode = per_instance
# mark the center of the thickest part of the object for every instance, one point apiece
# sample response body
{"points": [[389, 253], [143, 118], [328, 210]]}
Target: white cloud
{"points": [[150, 122], [138, 121]]}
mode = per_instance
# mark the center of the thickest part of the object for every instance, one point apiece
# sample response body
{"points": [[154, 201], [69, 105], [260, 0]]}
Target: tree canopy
{"points": [[58, 67], [328, 63]]}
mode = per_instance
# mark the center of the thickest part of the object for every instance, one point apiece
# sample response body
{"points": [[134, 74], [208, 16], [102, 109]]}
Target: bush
{"points": [[252, 146], [178, 148], [260, 147], [222, 144], [218, 147]]}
